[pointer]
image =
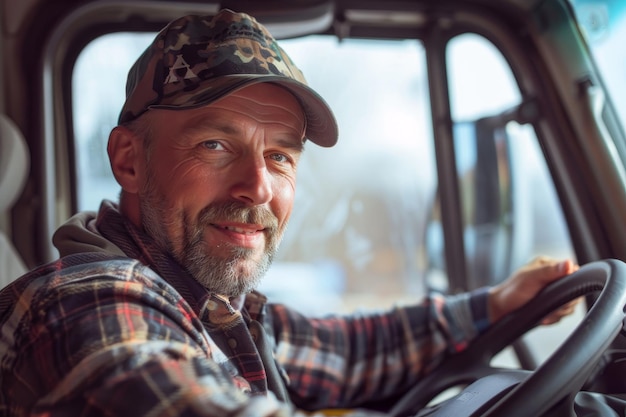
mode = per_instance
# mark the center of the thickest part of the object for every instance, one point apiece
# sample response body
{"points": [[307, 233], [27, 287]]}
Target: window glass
{"points": [[603, 22], [98, 91], [510, 208], [481, 82], [481, 85], [355, 236]]}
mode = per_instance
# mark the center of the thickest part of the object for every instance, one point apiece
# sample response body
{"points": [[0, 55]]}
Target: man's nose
{"points": [[253, 184]]}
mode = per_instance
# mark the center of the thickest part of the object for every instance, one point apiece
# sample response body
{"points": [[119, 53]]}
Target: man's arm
{"points": [[346, 361]]}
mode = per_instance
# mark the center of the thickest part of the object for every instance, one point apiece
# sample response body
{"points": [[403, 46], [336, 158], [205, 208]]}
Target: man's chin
{"points": [[231, 289], [229, 277]]}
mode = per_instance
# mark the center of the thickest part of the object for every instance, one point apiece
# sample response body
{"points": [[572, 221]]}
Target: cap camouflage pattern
{"points": [[196, 60]]}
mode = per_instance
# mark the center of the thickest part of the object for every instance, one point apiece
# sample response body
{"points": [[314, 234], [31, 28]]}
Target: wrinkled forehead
{"points": [[265, 102], [261, 106]]}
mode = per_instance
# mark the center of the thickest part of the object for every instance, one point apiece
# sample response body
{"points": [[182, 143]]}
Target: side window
{"points": [[510, 209], [355, 235], [96, 113]]}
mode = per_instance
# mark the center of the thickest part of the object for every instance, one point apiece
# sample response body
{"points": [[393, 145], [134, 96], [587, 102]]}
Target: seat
{"points": [[14, 168]]}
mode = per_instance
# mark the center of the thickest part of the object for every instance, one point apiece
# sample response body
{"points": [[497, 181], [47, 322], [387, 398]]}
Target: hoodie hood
{"points": [[79, 235]]}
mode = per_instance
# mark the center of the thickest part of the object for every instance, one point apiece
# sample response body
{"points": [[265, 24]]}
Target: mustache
{"points": [[240, 213]]}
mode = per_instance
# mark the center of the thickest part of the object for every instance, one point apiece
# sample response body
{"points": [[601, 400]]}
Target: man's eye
{"points": [[213, 145], [279, 157]]}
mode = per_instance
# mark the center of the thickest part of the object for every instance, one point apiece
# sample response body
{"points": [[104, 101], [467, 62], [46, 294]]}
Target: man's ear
{"points": [[125, 151]]}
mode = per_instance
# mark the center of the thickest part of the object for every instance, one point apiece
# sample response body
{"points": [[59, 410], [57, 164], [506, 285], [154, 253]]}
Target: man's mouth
{"points": [[246, 231]]}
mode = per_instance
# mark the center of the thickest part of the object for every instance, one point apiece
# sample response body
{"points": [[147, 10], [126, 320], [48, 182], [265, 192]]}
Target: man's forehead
{"points": [[273, 105], [265, 95], [234, 118]]}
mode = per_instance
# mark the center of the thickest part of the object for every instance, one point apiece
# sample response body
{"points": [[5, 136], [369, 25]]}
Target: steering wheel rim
{"points": [[555, 378]]}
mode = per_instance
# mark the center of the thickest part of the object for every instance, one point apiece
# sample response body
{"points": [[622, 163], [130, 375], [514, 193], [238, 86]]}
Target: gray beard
{"points": [[223, 276], [220, 275]]}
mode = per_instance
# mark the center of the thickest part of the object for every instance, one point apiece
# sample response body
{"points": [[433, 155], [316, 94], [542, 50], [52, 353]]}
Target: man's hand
{"points": [[524, 284]]}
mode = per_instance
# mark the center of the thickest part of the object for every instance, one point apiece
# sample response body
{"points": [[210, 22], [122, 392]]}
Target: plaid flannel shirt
{"points": [[127, 332]]}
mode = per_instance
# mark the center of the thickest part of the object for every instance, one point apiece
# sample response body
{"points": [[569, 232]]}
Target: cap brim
{"points": [[321, 127]]}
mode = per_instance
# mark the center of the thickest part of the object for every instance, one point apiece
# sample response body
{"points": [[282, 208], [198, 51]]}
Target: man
{"points": [[151, 309]]}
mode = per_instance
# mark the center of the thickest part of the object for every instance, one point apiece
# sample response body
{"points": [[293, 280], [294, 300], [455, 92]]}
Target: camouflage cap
{"points": [[196, 60]]}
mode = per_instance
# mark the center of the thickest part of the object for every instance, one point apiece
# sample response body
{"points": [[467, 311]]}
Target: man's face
{"points": [[220, 182]]}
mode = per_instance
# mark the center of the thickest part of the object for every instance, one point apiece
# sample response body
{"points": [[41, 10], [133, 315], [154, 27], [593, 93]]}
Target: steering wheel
{"points": [[496, 392]]}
